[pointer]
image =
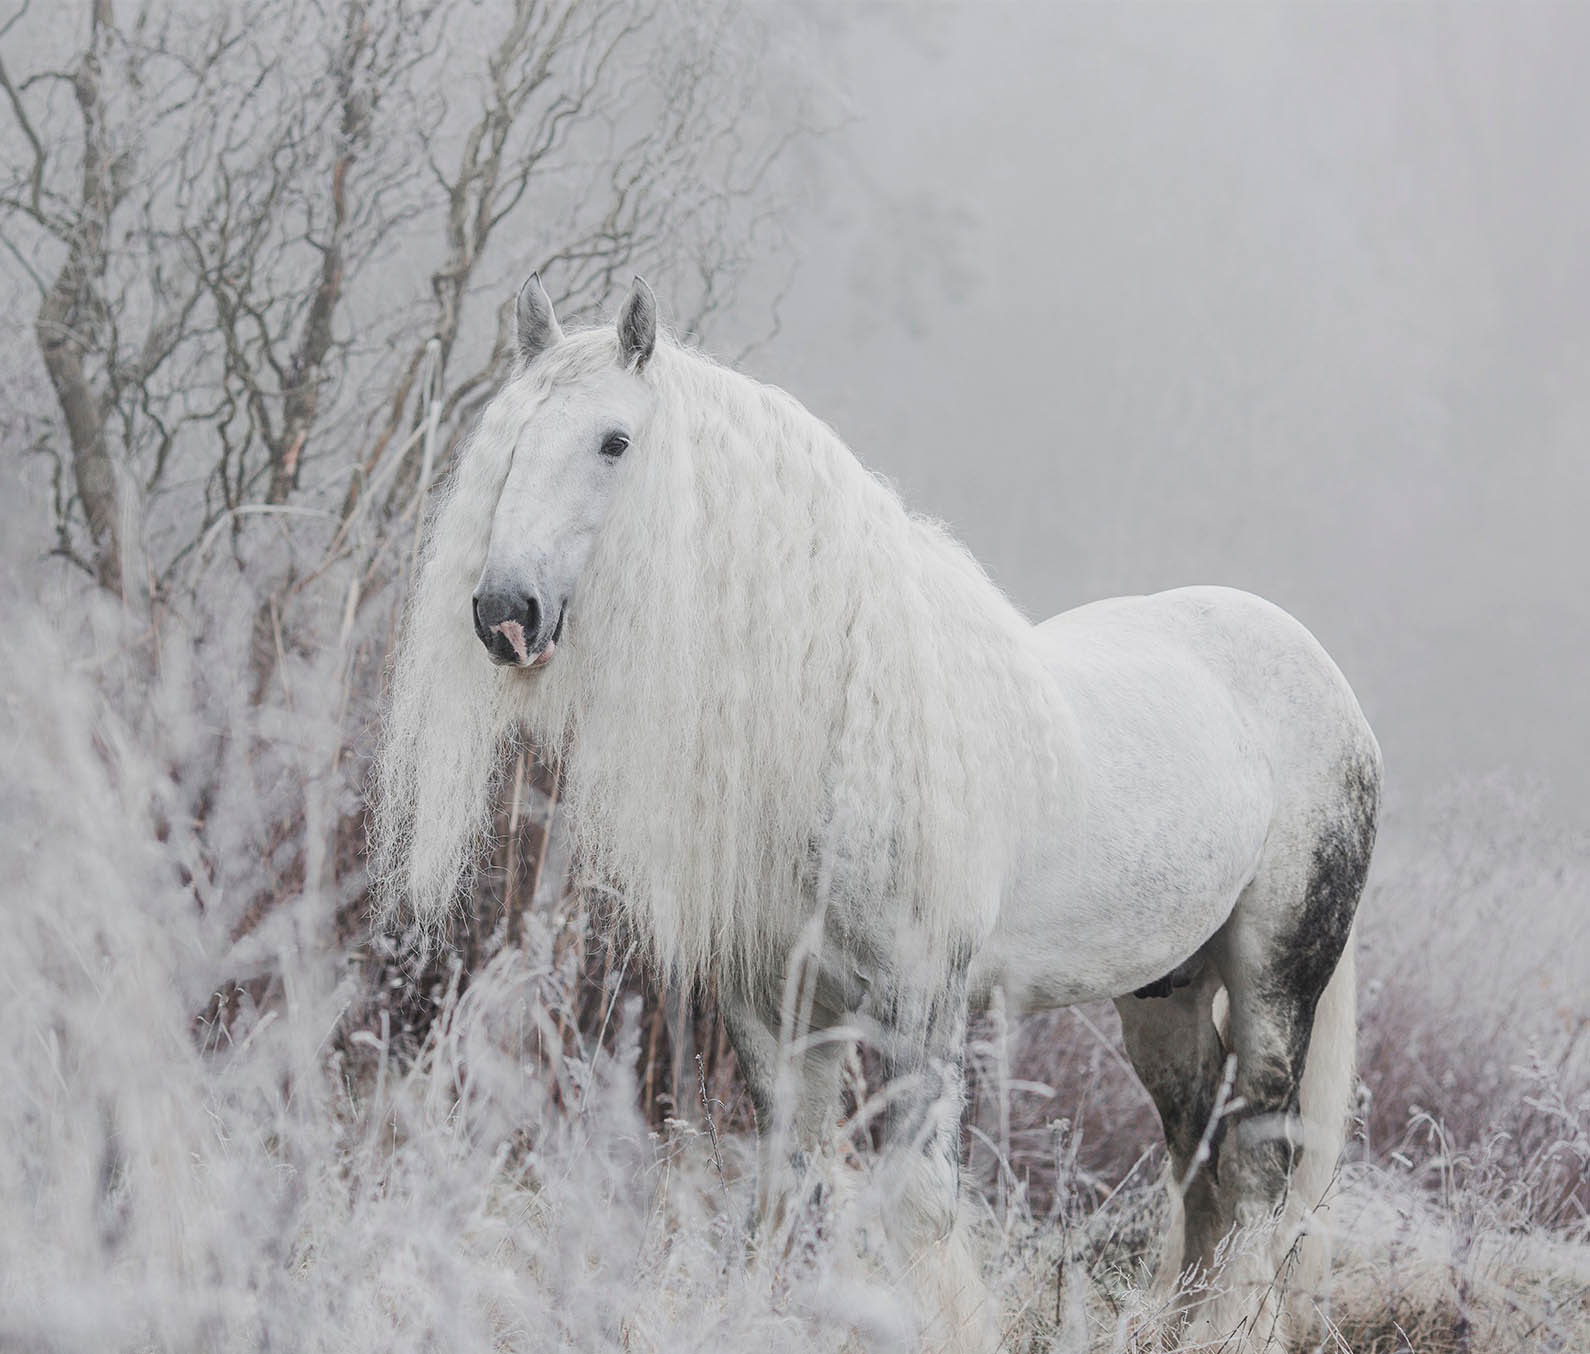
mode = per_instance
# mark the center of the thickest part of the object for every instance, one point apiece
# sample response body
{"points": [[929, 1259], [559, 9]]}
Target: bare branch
{"points": [[35, 205]]}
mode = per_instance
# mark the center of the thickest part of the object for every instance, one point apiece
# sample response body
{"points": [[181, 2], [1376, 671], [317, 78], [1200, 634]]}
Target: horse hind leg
{"points": [[1170, 1036], [1291, 1025]]}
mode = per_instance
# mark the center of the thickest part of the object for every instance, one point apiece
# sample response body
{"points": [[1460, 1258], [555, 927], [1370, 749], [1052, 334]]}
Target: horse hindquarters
{"points": [[1284, 959]]}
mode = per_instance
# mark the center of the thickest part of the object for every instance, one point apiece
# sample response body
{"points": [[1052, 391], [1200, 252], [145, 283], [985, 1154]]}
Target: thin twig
{"points": [[712, 1131], [1221, 1109], [510, 885]]}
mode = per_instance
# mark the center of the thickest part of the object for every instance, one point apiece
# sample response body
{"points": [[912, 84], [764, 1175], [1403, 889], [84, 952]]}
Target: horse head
{"points": [[581, 421]]}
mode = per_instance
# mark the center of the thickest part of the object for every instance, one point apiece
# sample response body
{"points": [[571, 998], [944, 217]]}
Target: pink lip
{"points": [[513, 632]]}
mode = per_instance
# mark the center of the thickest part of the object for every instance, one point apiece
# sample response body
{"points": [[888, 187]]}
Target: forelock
{"points": [[582, 356]]}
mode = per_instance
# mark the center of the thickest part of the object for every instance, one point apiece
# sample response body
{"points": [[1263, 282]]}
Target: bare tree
{"points": [[270, 249], [252, 221], [71, 308]]}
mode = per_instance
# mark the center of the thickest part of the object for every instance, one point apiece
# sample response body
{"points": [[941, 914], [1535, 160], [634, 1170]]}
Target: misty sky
{"points": [[1292, 299]]}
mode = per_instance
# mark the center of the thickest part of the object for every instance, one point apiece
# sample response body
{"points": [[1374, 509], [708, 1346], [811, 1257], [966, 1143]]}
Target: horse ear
{"points": [[637, 326], [536, 324]]}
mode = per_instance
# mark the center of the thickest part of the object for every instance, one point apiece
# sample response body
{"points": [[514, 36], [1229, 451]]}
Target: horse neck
{"points": [[774, 645]]}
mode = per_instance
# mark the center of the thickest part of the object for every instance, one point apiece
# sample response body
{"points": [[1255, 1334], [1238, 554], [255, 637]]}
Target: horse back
{"points": [[1283, 688]]}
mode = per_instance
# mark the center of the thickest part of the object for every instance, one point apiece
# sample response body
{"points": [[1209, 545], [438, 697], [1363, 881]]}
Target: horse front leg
{"points": [[794, 1086], [921, 1036]]}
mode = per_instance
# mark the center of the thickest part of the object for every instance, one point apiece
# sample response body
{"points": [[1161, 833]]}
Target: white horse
{"points": [[821, 758]]}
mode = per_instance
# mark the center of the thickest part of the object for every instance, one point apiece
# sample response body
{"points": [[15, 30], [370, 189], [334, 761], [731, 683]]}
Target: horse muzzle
{"points": [[513, 628]]}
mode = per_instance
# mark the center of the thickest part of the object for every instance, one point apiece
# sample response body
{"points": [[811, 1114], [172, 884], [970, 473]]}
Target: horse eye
{"points": [[615, 444]]}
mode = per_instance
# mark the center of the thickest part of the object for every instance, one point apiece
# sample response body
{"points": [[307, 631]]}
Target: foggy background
{"points": [[1294, 299], [1133, 296]]}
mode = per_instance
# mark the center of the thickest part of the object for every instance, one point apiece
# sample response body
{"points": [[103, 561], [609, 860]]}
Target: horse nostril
{"points": [[508, 623]]}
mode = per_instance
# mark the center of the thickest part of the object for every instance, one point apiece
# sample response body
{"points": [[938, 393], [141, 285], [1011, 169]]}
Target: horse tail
{"points": [[1330, 1067], [1326, 1096], [1330, 1072]]}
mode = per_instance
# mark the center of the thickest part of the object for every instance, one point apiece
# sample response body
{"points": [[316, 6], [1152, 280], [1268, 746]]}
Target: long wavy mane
{"points": [[777, 690]]}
